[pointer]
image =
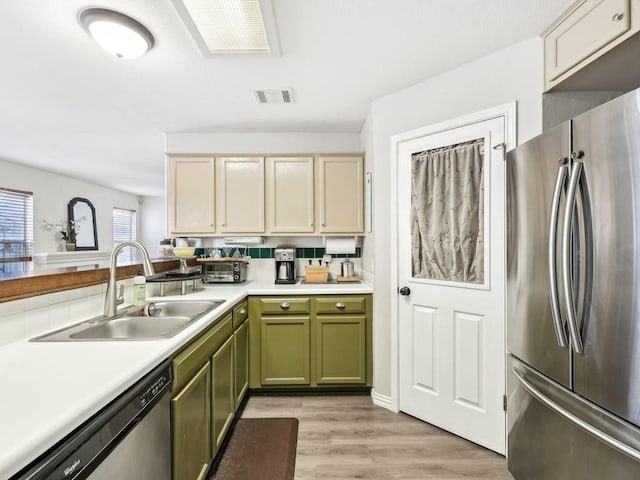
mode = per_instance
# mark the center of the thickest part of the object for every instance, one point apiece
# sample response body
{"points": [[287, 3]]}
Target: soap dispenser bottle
{"points": [[139, 290]]}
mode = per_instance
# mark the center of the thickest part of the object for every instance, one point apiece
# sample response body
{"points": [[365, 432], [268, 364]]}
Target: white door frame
{"points": [[508, 111]]}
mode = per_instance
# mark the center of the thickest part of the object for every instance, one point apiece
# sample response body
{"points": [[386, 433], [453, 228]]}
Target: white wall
{"points": [[514, 73], [293, 142], [52, 193], [154, 223]]}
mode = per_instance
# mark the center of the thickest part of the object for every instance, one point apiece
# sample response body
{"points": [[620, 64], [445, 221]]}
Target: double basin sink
{"points": [[157, 321]]}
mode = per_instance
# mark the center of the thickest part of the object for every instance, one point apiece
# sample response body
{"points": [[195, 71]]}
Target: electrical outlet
{"points": [[326, 259]]}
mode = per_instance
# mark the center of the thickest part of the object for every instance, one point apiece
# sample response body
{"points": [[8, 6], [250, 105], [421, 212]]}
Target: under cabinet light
{"points": [[118, 34]]}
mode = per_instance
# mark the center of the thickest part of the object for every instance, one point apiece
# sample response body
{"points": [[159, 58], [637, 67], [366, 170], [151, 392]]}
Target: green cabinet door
{"points": [[241, 366], [190, 427], [284, 350], [222, 398], [340, 344]]}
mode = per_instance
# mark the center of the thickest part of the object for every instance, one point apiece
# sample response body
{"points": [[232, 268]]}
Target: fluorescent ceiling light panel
{"points": [[229, 26]]}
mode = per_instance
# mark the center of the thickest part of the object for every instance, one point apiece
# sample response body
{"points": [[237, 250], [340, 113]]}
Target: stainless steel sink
{"points": [[137, 328], [187, 308], [165, 319], [134, 328]]}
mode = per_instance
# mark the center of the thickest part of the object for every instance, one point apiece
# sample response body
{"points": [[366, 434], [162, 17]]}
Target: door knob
{"points": [[404, 291]]}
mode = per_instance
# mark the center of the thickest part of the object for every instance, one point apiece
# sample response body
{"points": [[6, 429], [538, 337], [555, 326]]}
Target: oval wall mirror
{"points": [[82, 212]]}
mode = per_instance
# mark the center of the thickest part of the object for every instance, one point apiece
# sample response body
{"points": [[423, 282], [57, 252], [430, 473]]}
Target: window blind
{"points": [[16, 226], [124, 228]]}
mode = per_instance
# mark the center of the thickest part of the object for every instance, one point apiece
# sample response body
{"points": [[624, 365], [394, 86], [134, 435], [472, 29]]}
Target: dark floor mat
{"points": [[260, 448]]}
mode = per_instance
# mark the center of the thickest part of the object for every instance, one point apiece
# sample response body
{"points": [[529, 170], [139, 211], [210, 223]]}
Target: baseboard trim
{"points": [[381, 400]]}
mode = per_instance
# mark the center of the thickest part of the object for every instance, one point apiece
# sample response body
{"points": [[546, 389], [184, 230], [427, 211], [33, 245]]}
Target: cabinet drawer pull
{"points": [[617, 17], [340, 306], [284, 306], [243, 311]]}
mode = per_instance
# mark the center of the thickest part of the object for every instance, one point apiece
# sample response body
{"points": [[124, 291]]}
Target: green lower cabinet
{"points": [[340, 355], [241, 365], [222, 395], [190, 424], [284, 350]]}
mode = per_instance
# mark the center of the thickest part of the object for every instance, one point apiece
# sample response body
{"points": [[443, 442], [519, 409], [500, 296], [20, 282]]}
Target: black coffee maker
{"points": [[285, 257]]}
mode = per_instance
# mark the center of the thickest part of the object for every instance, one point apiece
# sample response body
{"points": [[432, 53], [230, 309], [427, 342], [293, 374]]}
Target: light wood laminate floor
{"points": [[343, 437]]}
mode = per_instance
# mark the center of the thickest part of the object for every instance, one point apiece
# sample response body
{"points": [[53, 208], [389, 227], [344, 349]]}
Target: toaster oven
{"points": [[224, 271]]}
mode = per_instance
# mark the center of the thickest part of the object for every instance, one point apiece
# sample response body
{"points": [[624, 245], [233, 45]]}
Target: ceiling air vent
{"points": [[275, 95]]}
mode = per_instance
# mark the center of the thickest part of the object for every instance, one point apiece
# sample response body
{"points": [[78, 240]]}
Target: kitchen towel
{"points": [[335, 245]]}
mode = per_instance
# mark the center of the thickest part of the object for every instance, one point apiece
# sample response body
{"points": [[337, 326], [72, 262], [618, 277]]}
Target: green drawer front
{"points": [[240, 314], [283, 306], [197, 353], [339, 304]]}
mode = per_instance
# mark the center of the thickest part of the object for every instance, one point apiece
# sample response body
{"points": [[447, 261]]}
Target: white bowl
{"points": [[184, 251]]}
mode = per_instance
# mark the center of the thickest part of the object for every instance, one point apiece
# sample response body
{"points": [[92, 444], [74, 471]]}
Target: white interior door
{"points": [[451, 353]]}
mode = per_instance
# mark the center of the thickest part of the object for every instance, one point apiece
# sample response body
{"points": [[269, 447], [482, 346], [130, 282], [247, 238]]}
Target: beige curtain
{"points": [[447, 213]]}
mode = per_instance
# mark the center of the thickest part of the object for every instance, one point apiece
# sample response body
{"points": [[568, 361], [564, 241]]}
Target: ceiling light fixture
{"points": [[118, 34], [230, 26]]}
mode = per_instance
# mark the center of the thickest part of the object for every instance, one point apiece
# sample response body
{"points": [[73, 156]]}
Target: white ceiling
{"points": [[69, 107]]}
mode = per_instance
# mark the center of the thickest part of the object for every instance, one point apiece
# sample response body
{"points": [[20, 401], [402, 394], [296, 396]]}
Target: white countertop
{"points": [[50, 388]]}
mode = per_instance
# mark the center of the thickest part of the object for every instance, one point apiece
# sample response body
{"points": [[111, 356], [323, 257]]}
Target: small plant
{"points": [[67, 231]]}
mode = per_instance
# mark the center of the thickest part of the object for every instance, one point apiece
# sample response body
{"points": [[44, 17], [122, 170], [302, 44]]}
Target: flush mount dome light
{"points": [[118, 34]]}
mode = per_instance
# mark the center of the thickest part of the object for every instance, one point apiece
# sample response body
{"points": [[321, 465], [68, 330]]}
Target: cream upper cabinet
{"points": [[340, 188], [290, 194], [240, 194], [583, 32], [190, 195]]}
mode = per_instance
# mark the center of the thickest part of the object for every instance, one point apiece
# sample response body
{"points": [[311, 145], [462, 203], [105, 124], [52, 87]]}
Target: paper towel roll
{"points": [[334, 245]]}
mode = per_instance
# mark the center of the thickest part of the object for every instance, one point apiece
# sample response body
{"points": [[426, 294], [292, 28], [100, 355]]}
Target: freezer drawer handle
{"points": [[599, 434], [572, 322], [563, 171]]}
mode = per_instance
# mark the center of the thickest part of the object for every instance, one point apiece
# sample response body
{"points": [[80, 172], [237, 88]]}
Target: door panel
{"points": [[284, 350], [468, 344], [241, 362], [532, 170], [190, 426], [608, 372], [222, 394], [592, 26], [191, 195], [341, 194], [340, 349], [451, 326], [290, 194], [240, 197], [424, 367]]}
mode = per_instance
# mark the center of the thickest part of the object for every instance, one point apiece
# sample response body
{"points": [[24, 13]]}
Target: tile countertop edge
{"points": [[107, 370]]}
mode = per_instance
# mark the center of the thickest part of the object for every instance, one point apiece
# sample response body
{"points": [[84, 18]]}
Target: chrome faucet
{"points": [[111, 300]]}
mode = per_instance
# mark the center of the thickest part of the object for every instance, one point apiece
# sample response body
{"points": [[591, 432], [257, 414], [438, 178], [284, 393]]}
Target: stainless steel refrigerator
{"points": [[573, 298]]}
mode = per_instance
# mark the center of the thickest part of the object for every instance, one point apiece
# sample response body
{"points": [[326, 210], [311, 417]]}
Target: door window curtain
{"points": [[447, 213]]}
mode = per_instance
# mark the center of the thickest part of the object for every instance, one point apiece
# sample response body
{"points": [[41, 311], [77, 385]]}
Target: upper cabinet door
{"points": [[240, 198], [341, 194], [191, 195], [584, 30], [290, 194]]}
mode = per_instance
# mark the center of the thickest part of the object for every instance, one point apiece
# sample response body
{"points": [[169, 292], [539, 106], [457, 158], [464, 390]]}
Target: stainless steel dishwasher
{"points": [[128, 439]]}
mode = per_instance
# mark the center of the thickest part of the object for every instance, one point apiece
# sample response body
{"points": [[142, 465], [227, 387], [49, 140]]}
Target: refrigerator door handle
{"points": [[572, 322], [590, 429], [561, 336]]}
